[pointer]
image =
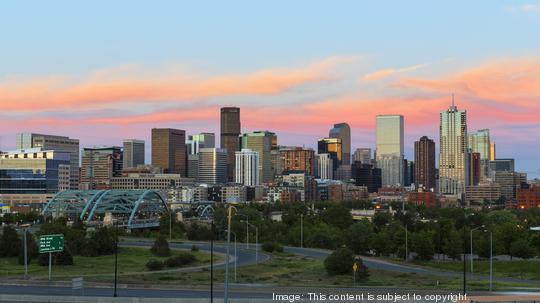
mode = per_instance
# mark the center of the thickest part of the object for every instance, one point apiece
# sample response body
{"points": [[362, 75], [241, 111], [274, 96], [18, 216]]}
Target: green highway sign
{"points": [[51, 243]]}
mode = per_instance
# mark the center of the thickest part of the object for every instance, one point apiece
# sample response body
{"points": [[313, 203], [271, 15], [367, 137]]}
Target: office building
{"points": [[363, 155], [424, 159], [193, 166], [260, 142], [501, 165], [332, 147], [247, 167], [326, 166], [212, 165], [452, 153], [99, 165], [56, 143], [492, 151], [481, 194], [29, 177], [133, 153], [474, 168], [390, 148], [367, 175], [343, 132], [528, 197], [150, 181], [230, 130], [479, 142], [298, 159], [202, 140], [169, 150], [509, 182]]}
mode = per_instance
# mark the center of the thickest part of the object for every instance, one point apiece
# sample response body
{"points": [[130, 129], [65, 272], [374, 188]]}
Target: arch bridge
{"points": [[136, 208]]}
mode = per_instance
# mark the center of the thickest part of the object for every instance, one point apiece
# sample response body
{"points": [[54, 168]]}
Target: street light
{"points": [[235, 255], [256, 243], [472, 257], [115, 258], [301, 230], [406, 242], [247, 229], [229, 218]]}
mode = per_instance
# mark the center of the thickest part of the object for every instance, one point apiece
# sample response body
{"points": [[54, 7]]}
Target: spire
{"points": [[453, 104]]}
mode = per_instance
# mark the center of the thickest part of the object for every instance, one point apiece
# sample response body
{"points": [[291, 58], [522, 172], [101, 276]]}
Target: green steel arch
{"points": [[137, 208]]}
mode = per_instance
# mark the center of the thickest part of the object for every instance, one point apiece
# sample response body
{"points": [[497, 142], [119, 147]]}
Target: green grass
{"points": [[129, 260], [521, 269], [290, 270]]}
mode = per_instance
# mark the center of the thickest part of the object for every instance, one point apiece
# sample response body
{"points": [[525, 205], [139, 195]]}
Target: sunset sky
{"points": [[102, 71]]}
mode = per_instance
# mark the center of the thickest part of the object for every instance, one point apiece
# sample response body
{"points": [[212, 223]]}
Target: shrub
{"points": [[339, 262], [154, 265], [181, 259], [161, 247], [194, 248], [8, 242], [272, 247], [105, 240], [63, 258], [90, 248]]}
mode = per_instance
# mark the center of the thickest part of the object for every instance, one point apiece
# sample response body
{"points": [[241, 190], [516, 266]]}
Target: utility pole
{"points": [[25, 255], [301, 230], [464, 262], [490, 261], [116, 259], [212, 262], [227, 257], [170, 226]]}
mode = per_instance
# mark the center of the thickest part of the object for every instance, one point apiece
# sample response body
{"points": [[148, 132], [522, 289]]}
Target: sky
{"points": [[102, 71]]}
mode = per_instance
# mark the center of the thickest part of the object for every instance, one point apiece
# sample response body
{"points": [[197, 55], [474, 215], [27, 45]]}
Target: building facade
{"points": [[452, 153], [424, 159], [247, 167], [332, 147], [212, 165], [390, 148], [299, 158], [99, 165], [343, 132], [326, 167], [133, 153], [169, 150], [363, 155], [230, 130], [260, 142], [57, 143]]}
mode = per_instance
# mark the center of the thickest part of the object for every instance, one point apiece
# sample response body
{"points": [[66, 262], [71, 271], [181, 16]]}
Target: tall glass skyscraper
{"points": [[343, 132], [479, 142], [452, 152], [389, 148]]}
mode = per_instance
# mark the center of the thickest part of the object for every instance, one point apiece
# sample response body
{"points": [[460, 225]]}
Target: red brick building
{"points": [[427, 198], [528, 198]]}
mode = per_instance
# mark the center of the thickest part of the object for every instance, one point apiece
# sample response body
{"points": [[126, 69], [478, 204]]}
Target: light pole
{"points": [[490, 260], [170, 225], [115, 258], [256, 243], [247, 229], [406, 242], [472, 256], [25, 255], [301, 230], [229, 218], [235, 255]]}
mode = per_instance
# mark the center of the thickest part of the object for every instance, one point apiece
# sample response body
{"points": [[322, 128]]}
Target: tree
{"points": [[339, 262], [453, 245], [522, 249], [31, 247], [337, 215], [423, 246], [382, 242], [359, 236], [324, 236], [505, 234], [161, 247], [9, 242], [380, 220], [176, 227], [104, 239]]}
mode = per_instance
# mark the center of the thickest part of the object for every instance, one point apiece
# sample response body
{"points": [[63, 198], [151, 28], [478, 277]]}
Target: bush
{"points": [[105, 241], [272, 247], [194, 248], [90, 248], [31, 246], [9, 242], [181, 259], [154, 265], [161, 247], [339, 262], [63, 258]]}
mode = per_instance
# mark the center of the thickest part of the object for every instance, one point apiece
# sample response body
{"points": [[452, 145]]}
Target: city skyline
{"points": [[299, 91]]}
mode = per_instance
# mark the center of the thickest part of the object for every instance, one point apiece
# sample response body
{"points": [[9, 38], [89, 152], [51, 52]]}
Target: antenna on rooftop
{"points": [[453, 104]]}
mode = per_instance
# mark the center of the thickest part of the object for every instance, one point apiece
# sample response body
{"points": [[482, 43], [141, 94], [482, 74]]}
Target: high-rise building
{"points": [[510, 182], [343, 132], [390, 148], [332, 147], [202, 140], [474, 167], [492, 151], [325, 166], [452, 152], [29, 177], [367, 175], [230, 130], [363, 155], [424, 159], [99, 165], [299, 159], [133, 153], [479, 142], [408, 175], [260, 142], [247, 167], [212, 165], [56, 143], [169, 150], [501, 165]]}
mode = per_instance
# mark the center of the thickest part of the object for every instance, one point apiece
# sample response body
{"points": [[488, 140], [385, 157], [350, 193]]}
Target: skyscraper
{"points": [[389, 148], [202, 140], [479, 142], [424, 159], [332, 147], [363, 155], [299, 158], [56, 143], [492, 151], [133, 153], [343, 132], [247, 167], [452, 152], [99, 165], [230, 130], [260, 142], [325, 165], [169, 150], [212, 166]]}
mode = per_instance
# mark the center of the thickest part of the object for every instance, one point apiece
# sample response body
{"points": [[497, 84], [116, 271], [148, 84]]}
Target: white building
{"points": [[247, 167], [389, 149], [325, 166]]}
